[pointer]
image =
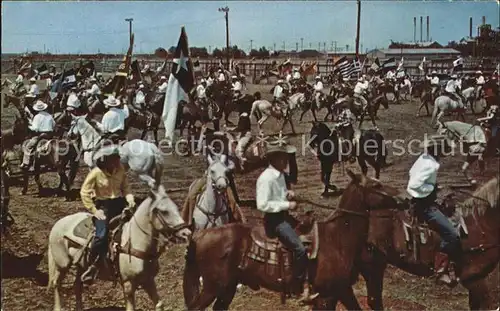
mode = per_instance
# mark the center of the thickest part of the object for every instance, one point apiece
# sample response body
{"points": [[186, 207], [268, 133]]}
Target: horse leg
{"points": [[470, 160], [37, 177], [224, 300], [78, 287], [155, 134], [313, 110], [149, 287], [372, 117], [129, 293], [205, 298], [362, 164], [63, 179], [302, 114], [349, 300], [479, 295], [373, 273]]}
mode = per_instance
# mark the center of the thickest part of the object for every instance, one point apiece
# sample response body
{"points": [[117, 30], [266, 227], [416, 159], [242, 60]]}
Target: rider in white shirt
{"points": [[434, 81], [360, 90], [162, 89], [391, 75], [296, 74], [479, 83], [140, 98], [34, 90], [288, 78], [113, 121], [279, 93], [94, 90], [42, 123], [453, 88], [201, 95], [209, 80], [221, 76], [318, 91], [237, 87]]}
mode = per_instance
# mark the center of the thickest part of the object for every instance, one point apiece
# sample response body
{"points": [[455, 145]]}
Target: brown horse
{"points": [[388, 245], [221, 255], [54, 155]]}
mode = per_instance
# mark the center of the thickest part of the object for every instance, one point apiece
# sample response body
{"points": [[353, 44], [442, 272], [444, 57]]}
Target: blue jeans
{"points": [[289, 238], [450, 239], [494, 130], [111, 208]]}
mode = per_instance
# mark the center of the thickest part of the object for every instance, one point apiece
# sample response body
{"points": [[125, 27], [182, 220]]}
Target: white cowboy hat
{"points": [[434, 72], [106, 151], [280, 81], [32, 79], [479, 72], [30, 95], [234, 77], [163, 78], [92, 79], [317, 77], [141, 86], [111, 101], [73, 102], [361, 79], [454, 76], [203, 81], [433, 140], [220, 70], [99, 74], [40, 106], [244, 114]]}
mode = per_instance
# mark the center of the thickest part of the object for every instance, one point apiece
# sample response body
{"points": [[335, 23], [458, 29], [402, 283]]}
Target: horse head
{"points": [[373, 192], [164, 215], [217, 171]]}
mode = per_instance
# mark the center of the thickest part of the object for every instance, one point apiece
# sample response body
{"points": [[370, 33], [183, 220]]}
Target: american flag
{"points": [[347, 68]]}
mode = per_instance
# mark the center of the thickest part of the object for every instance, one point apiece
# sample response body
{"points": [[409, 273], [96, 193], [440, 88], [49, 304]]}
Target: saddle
{"points": [[255, 150], [267, 251]]}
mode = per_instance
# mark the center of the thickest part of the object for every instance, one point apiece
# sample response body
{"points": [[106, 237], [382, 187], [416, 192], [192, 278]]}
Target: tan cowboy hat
{"points": [[106, 151], [40, 106], [433, 140], [111, 101]]}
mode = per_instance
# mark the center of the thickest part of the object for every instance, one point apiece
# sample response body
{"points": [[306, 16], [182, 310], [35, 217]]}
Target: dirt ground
{"points": [[24, 262]]}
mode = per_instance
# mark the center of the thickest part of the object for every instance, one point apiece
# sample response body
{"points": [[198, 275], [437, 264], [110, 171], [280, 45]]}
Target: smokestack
{"points": [[484, 20], [427, 28], [415, 29], [421, 27], [470, 27]]}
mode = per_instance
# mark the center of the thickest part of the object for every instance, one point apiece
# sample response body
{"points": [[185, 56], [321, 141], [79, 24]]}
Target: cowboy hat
{"points": [[32, 79], [40, 106], [433, 140], [30, 95], [141, 86], [163, 78], [317, 77], [73, 102], [479, 72], [92, 79], [203, 81], [454, 76], [111, 101], [434, 72], [273, 148], [106, 151], [280, 81]]}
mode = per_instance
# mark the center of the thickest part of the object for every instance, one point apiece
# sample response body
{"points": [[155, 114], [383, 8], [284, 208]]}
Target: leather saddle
{"points": [[255, 149]]}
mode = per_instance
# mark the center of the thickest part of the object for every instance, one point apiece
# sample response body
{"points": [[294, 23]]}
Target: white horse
{"points": [[263, 109], [212, 209], [444, 103], [156, 217], [405, 89], [140, 156]]}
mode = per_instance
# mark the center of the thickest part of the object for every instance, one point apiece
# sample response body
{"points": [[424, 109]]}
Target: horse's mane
{"points": [[485, 197]]}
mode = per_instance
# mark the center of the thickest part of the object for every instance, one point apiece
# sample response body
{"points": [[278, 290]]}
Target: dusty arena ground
{"points": [[24, 262]]}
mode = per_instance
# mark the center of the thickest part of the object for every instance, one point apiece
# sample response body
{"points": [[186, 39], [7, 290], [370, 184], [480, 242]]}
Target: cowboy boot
{"points": [[90, 274], [441, 265], [307, 296]]}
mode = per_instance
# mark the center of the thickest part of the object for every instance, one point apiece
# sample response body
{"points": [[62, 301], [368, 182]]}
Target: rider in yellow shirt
{"points": [[105, 193]]}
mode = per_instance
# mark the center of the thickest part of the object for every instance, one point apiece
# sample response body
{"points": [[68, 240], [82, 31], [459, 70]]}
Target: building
{"points": [[414, 54]]}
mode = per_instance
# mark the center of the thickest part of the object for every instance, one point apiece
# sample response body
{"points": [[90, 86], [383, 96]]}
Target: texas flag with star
{"points": [[180, 83]]}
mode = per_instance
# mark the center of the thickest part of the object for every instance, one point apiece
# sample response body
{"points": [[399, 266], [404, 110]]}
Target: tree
{"points": [[487, 44], [217, 53], [261, 53], [171, 50], [198, 52]]}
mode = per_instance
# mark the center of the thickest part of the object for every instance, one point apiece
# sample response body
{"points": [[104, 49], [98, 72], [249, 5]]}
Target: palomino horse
{"points": [[212, 207], [142, 157], [263, 109], [444, 103], [228, 255], [388, 245], [136, 258], [333, 147]]}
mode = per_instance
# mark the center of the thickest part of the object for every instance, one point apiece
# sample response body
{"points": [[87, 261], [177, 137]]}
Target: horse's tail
{"points": [[52, 268], [191, 282]]}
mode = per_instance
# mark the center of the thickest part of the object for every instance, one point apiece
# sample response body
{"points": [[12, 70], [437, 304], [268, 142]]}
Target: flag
{"points": [[422, 65], [119, 81], [356, 68], [458, 64], [180, 83], [389, 64], [56, 87], [43, 72], [85, 70], [68, 79], [375, 66], [347, 67], [400, 65], [135, 72], [286, 67]]}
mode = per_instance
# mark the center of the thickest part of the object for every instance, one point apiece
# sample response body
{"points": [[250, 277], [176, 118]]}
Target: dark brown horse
{"points": [[218, 254], [388, 245], [54, 155]]}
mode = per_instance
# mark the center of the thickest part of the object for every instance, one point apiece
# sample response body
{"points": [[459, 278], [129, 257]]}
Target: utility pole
{"points": [[301, 44], [251, 45], [296, 46], [324, 46], [129, 20], [226, 11], [335, 48], [274, 46], [310, 45], [357, 28]]}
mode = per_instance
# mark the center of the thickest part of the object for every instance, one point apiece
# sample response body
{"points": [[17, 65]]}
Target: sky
{"points": [[100, 26]]}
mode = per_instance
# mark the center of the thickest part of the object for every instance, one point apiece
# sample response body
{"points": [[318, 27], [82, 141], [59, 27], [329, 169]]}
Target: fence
{"points": [[253, 69]]}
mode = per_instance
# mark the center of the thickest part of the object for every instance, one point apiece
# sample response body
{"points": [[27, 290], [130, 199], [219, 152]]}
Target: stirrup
{"points": [[89, 276], [307, 297]]}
